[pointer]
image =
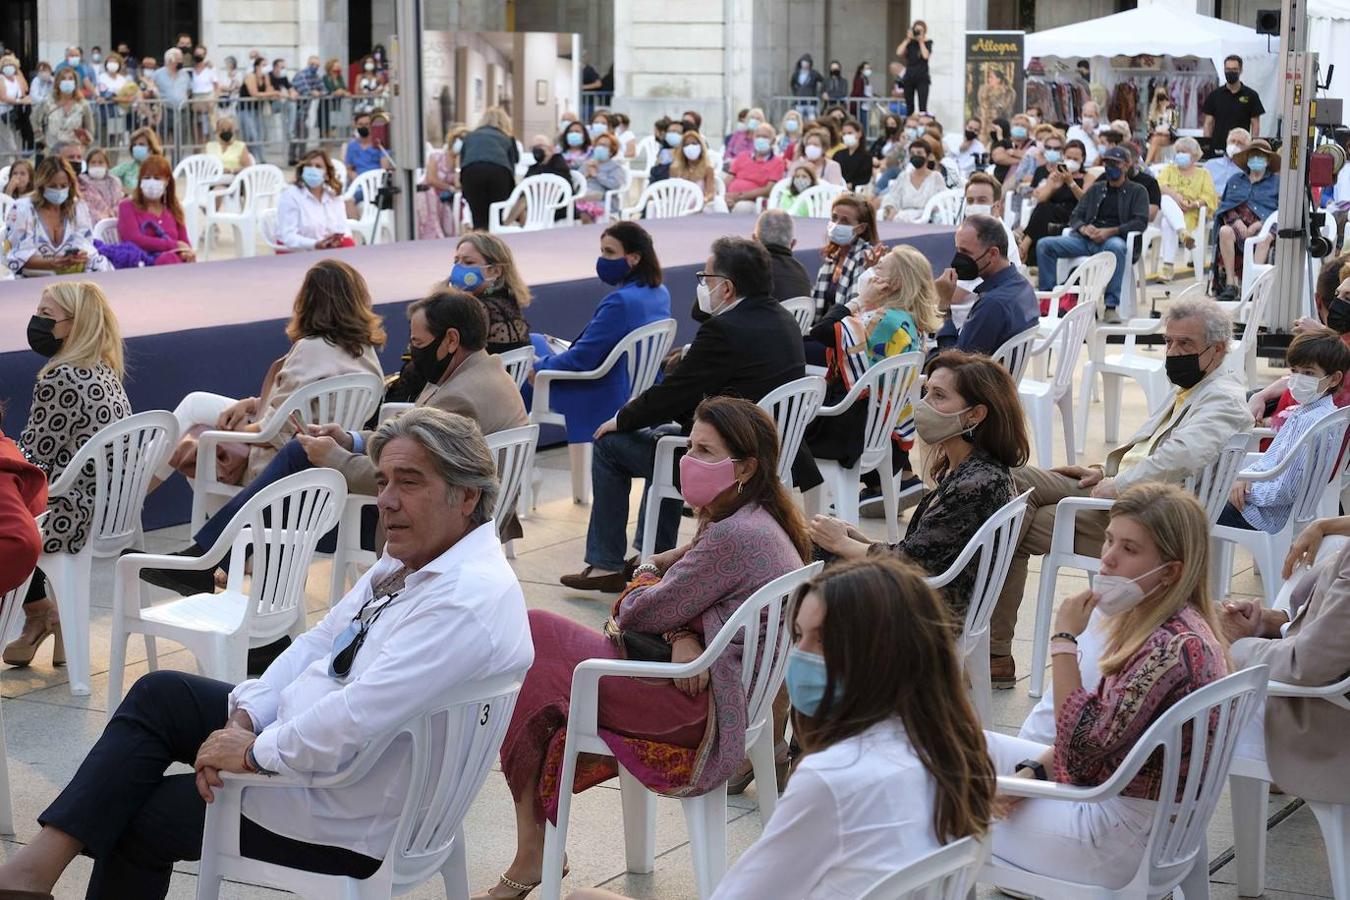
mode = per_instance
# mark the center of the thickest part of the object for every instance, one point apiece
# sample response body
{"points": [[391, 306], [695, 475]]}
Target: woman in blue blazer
{"points": [[628, 261]]}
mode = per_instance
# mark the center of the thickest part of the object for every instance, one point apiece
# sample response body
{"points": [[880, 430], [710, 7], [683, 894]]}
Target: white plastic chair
{"points": [[451, 751], [641, 351], [1250, 267], [994, 542], [518, 363], [1039, 398], [1133, 290], [367, 184], [267, 230], [803, 309], [1150, 370], [1251, 312], [105, 230], [283, 524], [792, 407], [1016, 352], [818, 199], [887, 388], [641, 162], [196, 175], [237, 206], [615, 198], [775, 194], [11, 616], [513, 451], [1087, 281], [668, 199], [1210, 486], [1318, 450], [945, 874], [763, 664], [345, 400], [543, 195], [124, 457], [944, 207], [1176, 855]]}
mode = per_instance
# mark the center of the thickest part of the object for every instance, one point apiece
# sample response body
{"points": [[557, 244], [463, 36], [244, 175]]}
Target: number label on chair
{"points": [[487, 708]]}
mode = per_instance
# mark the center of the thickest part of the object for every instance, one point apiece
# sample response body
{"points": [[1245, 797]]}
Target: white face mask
{"points": [[113, 66], [705, 300], [813, 152], [1234, 150], [979, 209], [1117, 594], [1304, 388], [841, 234], [97, 172], [1072, 165], [153, 188], [850, 140], [692, 152]]}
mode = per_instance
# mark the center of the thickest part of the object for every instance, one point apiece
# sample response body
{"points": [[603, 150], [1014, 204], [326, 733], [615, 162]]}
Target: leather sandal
{"points": [[521, 890]]}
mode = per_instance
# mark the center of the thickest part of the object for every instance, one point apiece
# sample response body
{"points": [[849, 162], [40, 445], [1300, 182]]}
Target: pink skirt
{"points": [[642, 708]]}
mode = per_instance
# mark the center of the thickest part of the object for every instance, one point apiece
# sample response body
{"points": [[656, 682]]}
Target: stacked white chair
{"points": [[1250, 267], [371, 226], [345, 400], [994, 543], [1196, 737], [196, 175], [641, 351], [1149, 369], [763, 665], [282, 524], [124, 457], [452, 749], [803, 309], [238, 205], [1040, 397], [668, 199], [792, 407], [886, 388], [945, 874], [543, 196], [11, 606], [1250, 310]]}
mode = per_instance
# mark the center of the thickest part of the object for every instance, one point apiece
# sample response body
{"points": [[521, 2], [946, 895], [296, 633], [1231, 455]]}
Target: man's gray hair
{"points": [[1218, 326], [989, 232], [774, 227], [456, 447]]}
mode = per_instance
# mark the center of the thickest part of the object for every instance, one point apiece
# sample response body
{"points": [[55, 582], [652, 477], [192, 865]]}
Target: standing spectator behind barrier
{"points": [[368, 86], [334, 87], [836, 85], [152, 219], [205, 90], [85, 75], [15, 104], [52, 208], [117, 94], [229, 79], [806, 84], [488, 166], [256, 90], [284, 112], [915, 51], [174, 84], [148, 109], [66, 116], [310, 213], [308, 88]]}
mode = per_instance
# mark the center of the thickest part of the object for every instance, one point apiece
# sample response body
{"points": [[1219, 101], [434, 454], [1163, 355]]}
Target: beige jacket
{"points": [[478, 388], [1305, 737], [1214, 411]]}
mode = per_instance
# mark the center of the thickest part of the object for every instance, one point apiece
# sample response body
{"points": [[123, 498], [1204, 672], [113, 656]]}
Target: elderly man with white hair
{"points": [[442, 608], [1186, 189], [1222, 168], [1086, 131], [174, 84], [774, 230], [1182, 436]]}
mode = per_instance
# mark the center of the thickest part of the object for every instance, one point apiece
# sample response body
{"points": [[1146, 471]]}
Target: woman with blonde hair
{"points": [[744, 138], [1148, 630], [441, 177], [789, 134], [49, 230], [485, 267], [78, 391], [691, 164], [1187, 187], [229, 147], [487, 164]]}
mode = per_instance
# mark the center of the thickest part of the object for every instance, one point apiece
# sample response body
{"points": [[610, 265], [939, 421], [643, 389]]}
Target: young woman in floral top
{"points": [[1160, 645], [975, 431]]}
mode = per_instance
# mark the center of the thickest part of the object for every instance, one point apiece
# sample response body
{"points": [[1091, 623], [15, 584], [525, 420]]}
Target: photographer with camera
{"points": [[914, 51]]}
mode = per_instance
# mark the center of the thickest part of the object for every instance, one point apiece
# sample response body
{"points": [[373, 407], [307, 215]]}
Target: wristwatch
{"points": [[1037, 770], [251, 763]]}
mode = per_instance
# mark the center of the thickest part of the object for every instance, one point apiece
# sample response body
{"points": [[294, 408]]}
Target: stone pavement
{"points": [[49, 731]]}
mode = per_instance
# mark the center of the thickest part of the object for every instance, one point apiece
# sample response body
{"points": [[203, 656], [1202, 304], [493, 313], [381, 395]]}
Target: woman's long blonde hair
{"points": [[1179, 528], [496, 117], [496, 252], [680, 167], [908, 280], [95, 337]]}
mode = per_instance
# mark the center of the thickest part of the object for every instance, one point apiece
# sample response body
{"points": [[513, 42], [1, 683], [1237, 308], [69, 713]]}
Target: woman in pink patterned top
{"points": [[100, 191], [151, 217], [679, 738], [1161, 644]]}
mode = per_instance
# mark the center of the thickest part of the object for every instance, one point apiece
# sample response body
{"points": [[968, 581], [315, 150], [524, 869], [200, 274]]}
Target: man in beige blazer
{"points": [[1308, 645], [1207, 407]]}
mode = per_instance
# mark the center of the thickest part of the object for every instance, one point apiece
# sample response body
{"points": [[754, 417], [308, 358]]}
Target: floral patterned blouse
{"points": [[69, 406], [101, 196], [948, 517], [1095, 731], [27, 237]]}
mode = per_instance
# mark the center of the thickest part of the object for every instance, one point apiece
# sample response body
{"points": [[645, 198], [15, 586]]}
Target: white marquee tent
{"points": [[1329, 38], [1159, 31]]}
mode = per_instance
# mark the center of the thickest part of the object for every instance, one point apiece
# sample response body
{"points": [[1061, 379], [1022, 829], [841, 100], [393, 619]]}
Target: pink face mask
{"points": [[702, 482]]}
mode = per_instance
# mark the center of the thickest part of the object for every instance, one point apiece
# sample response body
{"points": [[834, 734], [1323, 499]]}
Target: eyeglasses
{"points": [[704, 276]]}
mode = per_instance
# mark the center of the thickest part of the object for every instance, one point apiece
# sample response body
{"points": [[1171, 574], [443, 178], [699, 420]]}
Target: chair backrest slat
{"points": [[645, 349], [513, 450], [945, 874], [1212, 484], [792, 407], [124, 456], [1016, 352], [518, 363], [891, 385], [803, 309]]}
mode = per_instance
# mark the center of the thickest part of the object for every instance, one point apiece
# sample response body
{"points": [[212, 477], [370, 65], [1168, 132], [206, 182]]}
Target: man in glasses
{"points": [[442, 608]]}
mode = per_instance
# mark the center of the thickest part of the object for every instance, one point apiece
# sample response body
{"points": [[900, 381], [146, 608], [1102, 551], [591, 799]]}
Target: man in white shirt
{"points": [[966, 147], [1086, 131], [442, 608]]}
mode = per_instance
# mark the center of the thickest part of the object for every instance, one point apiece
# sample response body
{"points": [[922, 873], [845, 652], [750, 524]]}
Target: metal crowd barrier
{"points": [[870, 111]]}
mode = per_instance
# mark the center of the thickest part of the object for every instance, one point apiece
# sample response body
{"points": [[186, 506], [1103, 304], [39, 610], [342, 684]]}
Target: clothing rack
{"points": [[1130, 93], [1061, 99]]}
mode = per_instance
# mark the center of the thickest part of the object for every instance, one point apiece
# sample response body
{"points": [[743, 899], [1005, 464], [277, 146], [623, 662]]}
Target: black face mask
{"points": [[1338, 315], [966, 267], [539, 154], [1232, 77], [892, 129], [40, 336], [970, 135], [834, 72], [918, 162], [1184, 371], [425, 362], [227, 136], [363, 132]]}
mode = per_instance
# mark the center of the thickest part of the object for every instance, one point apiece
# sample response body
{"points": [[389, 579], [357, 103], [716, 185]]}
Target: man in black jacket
{"points": [[1106, 213], [790, 278], [747, 347]]}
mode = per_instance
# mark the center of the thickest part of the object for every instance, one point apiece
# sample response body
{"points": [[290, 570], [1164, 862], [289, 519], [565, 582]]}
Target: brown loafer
{"points": [[585, 581], [1002, 673]]}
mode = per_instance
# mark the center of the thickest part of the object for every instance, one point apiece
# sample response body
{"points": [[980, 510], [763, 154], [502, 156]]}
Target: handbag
{"points": [[638, 645]]}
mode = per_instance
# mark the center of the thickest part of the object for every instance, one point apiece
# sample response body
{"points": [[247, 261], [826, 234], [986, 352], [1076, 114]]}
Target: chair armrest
{"points": [[1066, 520], [1133, 327], [1053, 790], [665, 454], [1334, 693]]}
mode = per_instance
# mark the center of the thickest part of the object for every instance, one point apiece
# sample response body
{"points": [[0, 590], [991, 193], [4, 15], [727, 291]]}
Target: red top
{"points": [[751, 174], [133, 224], [23, 495]]}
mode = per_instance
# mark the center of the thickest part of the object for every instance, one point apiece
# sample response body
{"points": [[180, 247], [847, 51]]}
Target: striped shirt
{"points": [[1269, 502]]}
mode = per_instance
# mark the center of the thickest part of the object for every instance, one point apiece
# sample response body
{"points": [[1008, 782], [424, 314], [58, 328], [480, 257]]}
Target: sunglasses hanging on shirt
{"points": [[349, 641]]}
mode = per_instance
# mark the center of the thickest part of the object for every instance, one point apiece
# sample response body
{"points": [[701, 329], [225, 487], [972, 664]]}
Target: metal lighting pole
{"points": [[406, 128], [1298, 85]]}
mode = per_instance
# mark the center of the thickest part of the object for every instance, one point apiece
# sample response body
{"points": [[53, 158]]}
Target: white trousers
{"points": [[197, 408], [1172, 221], [1092, 843]]}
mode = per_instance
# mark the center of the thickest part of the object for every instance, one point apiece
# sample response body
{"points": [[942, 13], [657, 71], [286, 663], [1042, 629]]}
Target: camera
{"points": [[981, 160]]}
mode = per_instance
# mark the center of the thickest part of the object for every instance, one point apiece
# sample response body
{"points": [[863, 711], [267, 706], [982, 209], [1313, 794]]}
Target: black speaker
{"points": [[1268, 21]]}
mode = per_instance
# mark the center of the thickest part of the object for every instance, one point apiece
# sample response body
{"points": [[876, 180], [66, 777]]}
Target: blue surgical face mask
{"points": [[55, 196], [673, 138], [762, 144], [600, 152], [752, 123], [1018, 131], [313, 175], [1256, 164], [466, 278], [1183, 160], [791, 125], [575, 138], [1053, 156], [806, 677], [139, 152], [1112, 173]]}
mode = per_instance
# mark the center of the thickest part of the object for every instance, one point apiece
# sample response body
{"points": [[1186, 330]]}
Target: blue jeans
{"points": [[616, 459], [1050, 250]]}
